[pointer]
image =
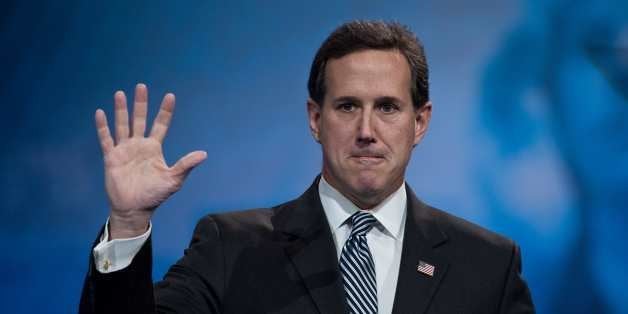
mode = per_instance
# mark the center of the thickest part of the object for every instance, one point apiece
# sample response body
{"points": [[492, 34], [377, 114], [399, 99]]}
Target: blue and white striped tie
{"points": [[357, 267]]}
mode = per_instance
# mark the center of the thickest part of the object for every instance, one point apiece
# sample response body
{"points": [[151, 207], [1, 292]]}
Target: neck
{"points": [[365, 200]]}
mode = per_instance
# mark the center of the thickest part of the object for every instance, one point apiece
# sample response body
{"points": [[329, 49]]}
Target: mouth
{"points": [[368, 159]]}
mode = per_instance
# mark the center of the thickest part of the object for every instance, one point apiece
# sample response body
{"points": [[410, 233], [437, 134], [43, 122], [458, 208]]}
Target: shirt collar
{"points": [[338, 208]]}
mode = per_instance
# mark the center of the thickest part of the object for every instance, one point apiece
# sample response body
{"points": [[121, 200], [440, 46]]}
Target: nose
{"points": [[365, 128]]}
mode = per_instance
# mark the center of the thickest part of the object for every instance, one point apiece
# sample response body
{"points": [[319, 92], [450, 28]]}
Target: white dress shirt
{"points": [[117, 254], [385, 240]]}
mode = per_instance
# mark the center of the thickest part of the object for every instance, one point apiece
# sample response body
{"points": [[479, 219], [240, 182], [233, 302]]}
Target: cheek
{"points": [[336, 136], [335, 145], [399, 139]]}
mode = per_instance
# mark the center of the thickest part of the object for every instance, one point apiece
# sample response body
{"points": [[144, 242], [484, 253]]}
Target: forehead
{"points": [[369, 73]]}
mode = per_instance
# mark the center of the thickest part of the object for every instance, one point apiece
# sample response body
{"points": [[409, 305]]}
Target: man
{"points": [[357, 241]]}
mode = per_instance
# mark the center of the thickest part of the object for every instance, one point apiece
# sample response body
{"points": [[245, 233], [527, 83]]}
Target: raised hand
{"points": [[137, 178]]}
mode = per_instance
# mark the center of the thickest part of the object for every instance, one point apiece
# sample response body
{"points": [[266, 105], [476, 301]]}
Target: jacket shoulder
{"points": [[471, 236], [253, 222]]}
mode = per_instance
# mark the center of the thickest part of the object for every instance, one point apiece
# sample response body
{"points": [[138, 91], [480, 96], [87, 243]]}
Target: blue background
{"points": [[529, 135]]}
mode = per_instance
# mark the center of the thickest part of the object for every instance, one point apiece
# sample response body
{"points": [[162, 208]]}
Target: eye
{"points": [[346, 107], [388, 107]]}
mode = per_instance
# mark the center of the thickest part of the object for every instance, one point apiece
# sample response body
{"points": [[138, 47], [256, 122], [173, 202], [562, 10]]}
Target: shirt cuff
{"points": [[117, 254]]}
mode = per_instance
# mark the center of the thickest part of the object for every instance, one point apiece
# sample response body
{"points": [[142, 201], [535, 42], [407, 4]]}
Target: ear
{"points": [[422, 118], [314, 117]]}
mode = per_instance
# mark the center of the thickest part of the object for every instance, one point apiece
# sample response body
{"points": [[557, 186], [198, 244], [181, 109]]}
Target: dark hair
{"points": [[361, 35]]}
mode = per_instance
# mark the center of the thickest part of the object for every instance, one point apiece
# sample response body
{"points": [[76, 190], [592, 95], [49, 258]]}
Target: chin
{"points": [[367, 185]]}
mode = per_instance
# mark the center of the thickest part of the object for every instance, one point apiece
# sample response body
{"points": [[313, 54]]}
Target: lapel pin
{"points": [[426, 268]]}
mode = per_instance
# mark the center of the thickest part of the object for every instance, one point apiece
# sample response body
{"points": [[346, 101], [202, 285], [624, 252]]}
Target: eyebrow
{"points": [[378, 100], [388, 99], [347, 99]]}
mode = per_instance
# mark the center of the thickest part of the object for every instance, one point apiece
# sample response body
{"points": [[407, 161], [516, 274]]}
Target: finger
{"points": [[122, 116], [104, 136], [162, 121], [139, 110], [183, 167]]}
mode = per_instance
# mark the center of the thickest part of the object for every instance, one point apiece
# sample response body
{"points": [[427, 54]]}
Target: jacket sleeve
{"points": [[128, 290], [193, 285], [516, 296]]}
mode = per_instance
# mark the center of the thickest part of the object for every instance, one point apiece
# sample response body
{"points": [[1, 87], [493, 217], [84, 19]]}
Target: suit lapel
{"points": [[310, 247], [415, 289]]}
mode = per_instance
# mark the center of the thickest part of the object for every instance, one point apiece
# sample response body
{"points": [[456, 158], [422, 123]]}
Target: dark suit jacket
{"points": [[283, 260]]}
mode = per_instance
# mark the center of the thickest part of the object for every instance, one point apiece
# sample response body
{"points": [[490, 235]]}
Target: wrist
{"points": [[123, 227]]}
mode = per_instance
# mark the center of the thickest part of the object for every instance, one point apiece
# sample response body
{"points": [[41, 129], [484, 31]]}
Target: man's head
{"points": [[363, 35], [368, 107]]}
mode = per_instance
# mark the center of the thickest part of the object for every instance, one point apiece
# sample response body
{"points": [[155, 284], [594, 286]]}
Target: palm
{"points": [[136, 175], [137, 178]]}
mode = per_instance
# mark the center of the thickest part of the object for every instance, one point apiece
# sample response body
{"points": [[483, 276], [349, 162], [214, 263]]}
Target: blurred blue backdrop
{"points": [[530, 108]]}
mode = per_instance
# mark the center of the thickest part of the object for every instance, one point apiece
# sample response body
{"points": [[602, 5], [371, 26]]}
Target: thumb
{"points": [[183, 167]]}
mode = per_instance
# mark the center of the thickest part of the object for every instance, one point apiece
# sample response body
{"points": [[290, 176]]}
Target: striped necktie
{"points": [[357, 267]]}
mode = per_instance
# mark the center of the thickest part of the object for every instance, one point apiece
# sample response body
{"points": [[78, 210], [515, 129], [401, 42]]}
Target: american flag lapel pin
{"points": [[426, 268]]}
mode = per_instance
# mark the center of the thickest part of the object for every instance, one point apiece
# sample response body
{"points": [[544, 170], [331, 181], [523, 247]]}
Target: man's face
{"points": [[367, 124]]}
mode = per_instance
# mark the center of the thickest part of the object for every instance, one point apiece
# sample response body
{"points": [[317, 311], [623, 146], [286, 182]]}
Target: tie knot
{"points": [[361, 223]]}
